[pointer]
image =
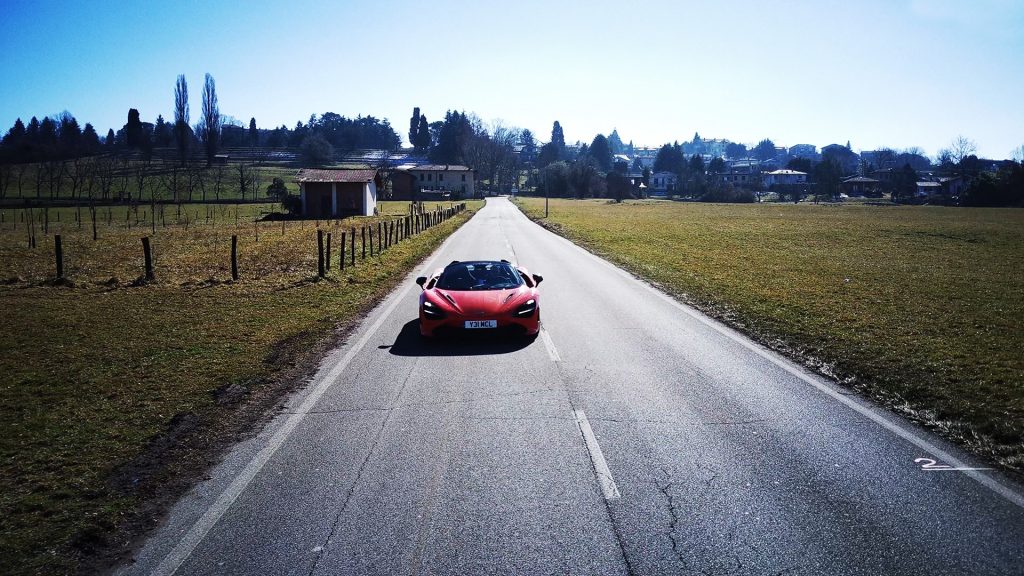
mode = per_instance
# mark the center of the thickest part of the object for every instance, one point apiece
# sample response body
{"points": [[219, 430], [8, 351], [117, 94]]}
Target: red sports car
{"points": [[481, 296]]}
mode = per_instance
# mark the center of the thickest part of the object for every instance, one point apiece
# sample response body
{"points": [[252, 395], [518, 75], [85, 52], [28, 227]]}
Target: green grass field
{"points": [[102, 382], [918, 307]]}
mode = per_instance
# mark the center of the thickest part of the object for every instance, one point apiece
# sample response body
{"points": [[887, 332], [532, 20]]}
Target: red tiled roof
{"points": [[335, 175]]}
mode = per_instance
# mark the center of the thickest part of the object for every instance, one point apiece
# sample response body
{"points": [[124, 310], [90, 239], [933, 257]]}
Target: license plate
{"points": [[481, 323]]}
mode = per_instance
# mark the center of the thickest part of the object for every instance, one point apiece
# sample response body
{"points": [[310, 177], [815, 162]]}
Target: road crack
{"points": [[673, 520], [355, 482]]}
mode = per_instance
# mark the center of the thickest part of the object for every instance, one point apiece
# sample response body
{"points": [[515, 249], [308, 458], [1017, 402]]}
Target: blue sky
{"points": [[895, 73]]}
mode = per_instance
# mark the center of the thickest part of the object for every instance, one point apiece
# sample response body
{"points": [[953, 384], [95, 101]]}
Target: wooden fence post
{"points": [[147, 255], [59, 253], [341, 259], [234, 257], [320, 252], [380, 244], [93, 210], [362, 232], [352, 247], [327, 253]]}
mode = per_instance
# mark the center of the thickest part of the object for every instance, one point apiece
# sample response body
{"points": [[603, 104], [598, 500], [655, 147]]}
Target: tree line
{"points": [[62, 137]]}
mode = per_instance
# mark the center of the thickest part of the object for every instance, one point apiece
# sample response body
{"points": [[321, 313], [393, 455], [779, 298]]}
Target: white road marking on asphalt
{"points": [[799, 372], [552, 351], [929, 465], [206, 522], [604, 475]]}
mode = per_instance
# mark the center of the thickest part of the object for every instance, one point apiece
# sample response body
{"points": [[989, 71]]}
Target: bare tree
{"points": [[382, 164], [219, 174], [196, 178], [210, 125], [76, 174], [142, 171], [182, 131], [6, 178], [961, 148], [104, 174], [1017, 155], [20, 171], [244, 179], [124, 175]]}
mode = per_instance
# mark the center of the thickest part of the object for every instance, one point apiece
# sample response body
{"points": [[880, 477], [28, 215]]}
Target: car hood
{"points": [[481, 302]]}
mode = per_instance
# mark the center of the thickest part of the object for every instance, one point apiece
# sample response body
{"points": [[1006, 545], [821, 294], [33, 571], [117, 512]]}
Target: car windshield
{"points": [[479, 276]]}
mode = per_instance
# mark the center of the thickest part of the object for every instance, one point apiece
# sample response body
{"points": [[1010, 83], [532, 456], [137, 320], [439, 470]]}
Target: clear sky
{"points": [[895, 73]]}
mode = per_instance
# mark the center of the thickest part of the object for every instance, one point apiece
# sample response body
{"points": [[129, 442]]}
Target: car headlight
{"points": [[526, 309], [431, 310]]}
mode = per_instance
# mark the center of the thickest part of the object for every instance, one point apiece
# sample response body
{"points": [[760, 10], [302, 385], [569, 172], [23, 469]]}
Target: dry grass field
{"points": [[918, 307], [112, 390]]}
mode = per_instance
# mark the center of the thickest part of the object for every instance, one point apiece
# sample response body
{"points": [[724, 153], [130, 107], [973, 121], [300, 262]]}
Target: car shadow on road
{"points": [[410, 343]]}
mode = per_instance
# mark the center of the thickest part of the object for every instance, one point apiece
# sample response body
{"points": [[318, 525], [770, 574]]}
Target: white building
{"points": [[784, 178], [661, 183]]}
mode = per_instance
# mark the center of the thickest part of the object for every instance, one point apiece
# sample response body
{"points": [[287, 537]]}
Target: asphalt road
{"points": [[635, 436]]}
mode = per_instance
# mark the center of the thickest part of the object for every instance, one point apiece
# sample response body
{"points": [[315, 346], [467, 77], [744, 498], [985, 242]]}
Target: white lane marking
{"points": [[929, 465], [552, 351], [206, 522], [604, 475], [799, 372]]}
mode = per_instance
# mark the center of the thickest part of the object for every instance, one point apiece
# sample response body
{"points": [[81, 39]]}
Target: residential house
{"points": [[862, 186], [662, 184], [809, 151], [928, 188], [409, 182], [784, 178]]}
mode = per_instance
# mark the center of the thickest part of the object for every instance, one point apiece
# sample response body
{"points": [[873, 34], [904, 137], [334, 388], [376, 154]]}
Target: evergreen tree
{"points": [[162, 135], [111, 140], [254, 133], [182, 130], [211, 121], [548, 155], [70, 135], [414, 127], [670, 159], [615, 143], [423, 138], [558, 138], [133, 129], [765, 150], [90, 140], [601, 152]]}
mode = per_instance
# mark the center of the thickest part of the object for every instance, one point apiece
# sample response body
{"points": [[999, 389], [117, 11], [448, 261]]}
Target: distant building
{"points": [[410, 182], [928, 188], [784, 178], [646, 156], [809, 151], [336, 193], [862, 186], [662, 184], [713, 148]]}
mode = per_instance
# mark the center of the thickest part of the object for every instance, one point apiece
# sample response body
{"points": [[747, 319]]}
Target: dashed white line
{"points": [[552, 351], [604, 475]]}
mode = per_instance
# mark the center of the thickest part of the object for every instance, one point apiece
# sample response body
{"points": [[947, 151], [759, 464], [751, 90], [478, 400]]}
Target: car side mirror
{"points": [[537, 279], [421, 281]]}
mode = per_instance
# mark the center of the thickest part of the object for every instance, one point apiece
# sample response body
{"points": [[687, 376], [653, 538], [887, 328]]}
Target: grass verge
{"points": [[917, 307], [115, 394]]}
